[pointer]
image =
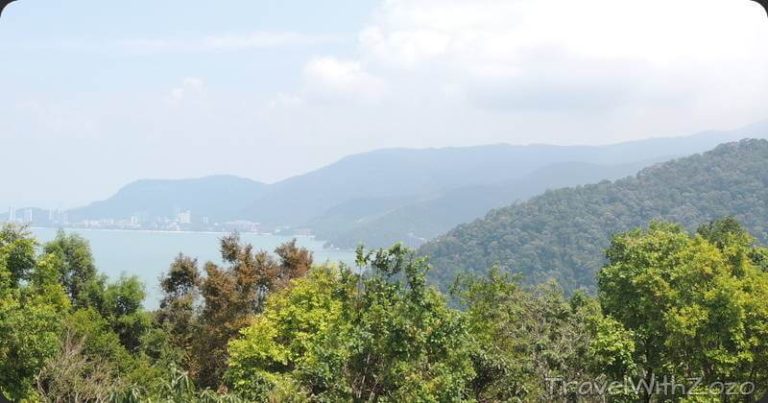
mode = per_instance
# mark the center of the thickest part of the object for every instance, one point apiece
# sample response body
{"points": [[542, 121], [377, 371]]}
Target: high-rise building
{"points": [[184, 217], [28, 216]]}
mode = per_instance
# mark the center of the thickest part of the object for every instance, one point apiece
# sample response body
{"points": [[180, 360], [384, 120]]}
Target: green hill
{"points": [[385, 196], [561, 234], [412, 196], [364, 187]]}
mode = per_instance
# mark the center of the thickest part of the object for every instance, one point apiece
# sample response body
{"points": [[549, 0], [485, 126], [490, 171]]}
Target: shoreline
{"points": [[159, 231], [187, 232]]}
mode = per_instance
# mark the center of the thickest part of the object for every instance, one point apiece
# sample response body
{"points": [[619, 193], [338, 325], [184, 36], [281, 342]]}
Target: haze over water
{"points": [[148, 254]]}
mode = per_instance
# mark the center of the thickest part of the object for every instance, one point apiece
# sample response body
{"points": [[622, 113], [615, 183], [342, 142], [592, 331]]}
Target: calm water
{"points": [[148, 254]]}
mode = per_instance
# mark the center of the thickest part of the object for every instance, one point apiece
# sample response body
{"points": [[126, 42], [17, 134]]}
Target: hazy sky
{"points": [[94, 94]]}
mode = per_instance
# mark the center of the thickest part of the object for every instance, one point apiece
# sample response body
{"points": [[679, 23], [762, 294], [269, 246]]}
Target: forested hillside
{"points": [[561, 234]]}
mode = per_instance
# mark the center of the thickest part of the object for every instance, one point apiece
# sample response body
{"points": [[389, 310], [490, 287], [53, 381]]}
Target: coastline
{"points": [[158, 231], [265, 235]]}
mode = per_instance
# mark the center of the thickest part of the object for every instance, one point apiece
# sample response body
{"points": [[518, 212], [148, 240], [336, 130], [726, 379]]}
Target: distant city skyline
{"points": [[94, 95]]}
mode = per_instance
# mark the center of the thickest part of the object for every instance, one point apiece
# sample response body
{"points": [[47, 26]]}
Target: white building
{"points": [[184, 217]]}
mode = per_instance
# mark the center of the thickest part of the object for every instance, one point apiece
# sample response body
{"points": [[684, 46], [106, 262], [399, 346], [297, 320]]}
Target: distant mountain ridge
{"points": [[220, 197], [530, 170], [561, 234], [421, 174], [426, 219], [409, 195]]}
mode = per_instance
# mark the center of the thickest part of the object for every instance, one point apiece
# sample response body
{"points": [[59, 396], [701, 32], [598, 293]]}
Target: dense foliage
{"points": [[70, 335], [275, 328], [562, 234], [339, 336], [695, 305]]}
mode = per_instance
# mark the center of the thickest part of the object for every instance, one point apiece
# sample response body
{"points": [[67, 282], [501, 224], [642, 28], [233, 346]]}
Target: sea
{"points": [[148, 254]]}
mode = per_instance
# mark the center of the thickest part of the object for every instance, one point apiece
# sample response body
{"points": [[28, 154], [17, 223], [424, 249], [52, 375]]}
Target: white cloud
{"points": [[480, 33], [555, 55], [329, 78]]}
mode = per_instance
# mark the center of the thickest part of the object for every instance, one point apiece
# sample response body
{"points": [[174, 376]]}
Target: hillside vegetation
{"points": [[267, 327], [562, 233]]}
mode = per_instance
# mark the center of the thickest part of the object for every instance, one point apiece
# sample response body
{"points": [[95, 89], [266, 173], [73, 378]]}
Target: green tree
{"points": [[282, 339], [77, 271], [123, 309], [694, 304], [378, 336], [527, 340], [233, 295], [74, 376], [93, 335], [17, 252], [177, 313], [30, 332], [32, 304], [404, 342]]}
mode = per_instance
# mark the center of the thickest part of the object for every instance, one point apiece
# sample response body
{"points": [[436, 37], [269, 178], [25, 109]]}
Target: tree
{"points": [[496, 308], [30, 312], [17, 252], [281, 339], [123, 309], [73, 376], [405, 343], [694, 304], [30, 337], [295, 262], [527, 339], [95, 338], [233, 295], [177, 314], [379, 336], [77, 271]]}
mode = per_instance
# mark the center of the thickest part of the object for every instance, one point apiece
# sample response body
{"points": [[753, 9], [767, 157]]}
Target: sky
{"points": [[96, 94]]}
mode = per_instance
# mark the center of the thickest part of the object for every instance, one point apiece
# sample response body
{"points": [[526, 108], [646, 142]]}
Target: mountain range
{"points": [[562, 234], [410, 195]]}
